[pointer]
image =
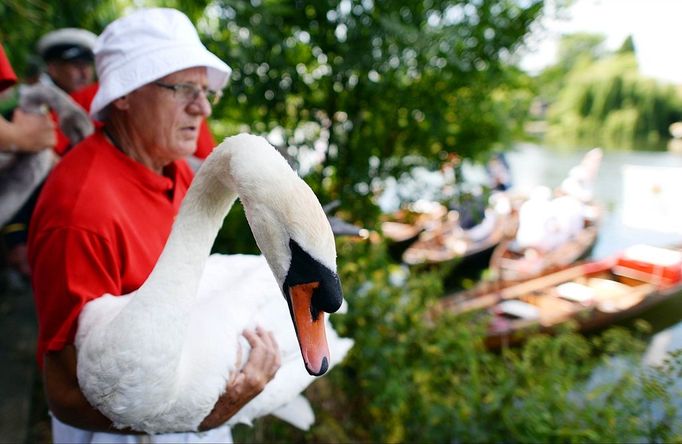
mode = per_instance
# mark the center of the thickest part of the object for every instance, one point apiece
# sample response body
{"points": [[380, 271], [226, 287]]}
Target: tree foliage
{"points": [[610, 103], [22, 22], [575, 51], [600, 97], [369, 79]]}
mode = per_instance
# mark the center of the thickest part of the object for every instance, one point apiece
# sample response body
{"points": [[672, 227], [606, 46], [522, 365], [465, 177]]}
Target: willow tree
{"points": [[609, 102]]}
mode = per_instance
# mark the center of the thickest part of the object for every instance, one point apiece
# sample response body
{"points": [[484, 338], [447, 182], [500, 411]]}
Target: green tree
{"points": [[610, 103], [373, 80], [628, 46], [575, 51], [22, 23]]}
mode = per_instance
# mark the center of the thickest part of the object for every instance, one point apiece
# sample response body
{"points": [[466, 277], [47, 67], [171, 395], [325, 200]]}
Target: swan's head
{"points": [[293, 232]]}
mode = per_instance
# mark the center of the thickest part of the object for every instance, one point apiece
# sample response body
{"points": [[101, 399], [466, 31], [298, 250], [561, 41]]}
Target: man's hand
{"points": [[32, 132], [245, 384]]}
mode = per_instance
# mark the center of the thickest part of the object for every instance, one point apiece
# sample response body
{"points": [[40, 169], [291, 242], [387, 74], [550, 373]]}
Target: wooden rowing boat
{"points": [[450, 242], [555, 228], [592, 294], [462, 240], [403, 227]]}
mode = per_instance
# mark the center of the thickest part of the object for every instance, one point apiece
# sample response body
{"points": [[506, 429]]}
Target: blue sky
{"points": [[656, 27]]}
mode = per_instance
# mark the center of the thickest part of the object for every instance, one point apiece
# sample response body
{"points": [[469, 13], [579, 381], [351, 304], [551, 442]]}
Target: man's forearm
{"points": [[64, 397]]}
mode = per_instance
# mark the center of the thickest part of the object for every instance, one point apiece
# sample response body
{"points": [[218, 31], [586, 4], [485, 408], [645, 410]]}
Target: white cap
{"points": [[146, 45], [67, 44]]}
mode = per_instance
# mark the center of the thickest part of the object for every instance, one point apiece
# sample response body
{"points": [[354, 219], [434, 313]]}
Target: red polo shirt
{"points": [[99, 226]]}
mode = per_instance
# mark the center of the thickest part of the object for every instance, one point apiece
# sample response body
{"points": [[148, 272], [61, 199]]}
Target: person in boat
{"points": [[499, 172], [581, 178], [547, 222], [107, 209]]}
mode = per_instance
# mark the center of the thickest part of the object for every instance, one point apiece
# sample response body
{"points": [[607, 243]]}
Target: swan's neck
{"points": [[175, 277]]}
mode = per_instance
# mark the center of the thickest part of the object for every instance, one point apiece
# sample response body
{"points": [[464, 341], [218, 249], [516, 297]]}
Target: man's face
{"points": [[166, 122], [71, 75]]}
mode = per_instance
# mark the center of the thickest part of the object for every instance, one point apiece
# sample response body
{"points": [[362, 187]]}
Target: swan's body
{"points": [[158, 359]]}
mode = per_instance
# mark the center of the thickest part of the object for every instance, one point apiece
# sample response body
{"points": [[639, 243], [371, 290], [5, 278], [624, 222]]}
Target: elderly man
{"points": [[106, 210]]}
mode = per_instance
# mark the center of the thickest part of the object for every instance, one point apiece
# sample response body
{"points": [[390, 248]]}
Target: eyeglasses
{"points": [[188, 92]]}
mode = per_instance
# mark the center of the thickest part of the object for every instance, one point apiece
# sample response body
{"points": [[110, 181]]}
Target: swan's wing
{"points": [[298, 413]]}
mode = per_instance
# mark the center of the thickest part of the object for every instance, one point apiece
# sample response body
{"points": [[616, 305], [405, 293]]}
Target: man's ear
{"points": [[121, 103]]}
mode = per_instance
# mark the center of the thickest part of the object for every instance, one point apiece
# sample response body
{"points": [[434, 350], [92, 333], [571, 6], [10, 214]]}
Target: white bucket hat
{"points": [[145, 46]]}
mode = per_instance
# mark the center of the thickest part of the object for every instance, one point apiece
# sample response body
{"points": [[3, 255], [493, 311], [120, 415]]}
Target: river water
{"points": [[630, 218]]}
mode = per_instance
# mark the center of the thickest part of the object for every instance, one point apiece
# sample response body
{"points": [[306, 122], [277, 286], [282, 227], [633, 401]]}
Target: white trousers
{"points": [[66, 434]]}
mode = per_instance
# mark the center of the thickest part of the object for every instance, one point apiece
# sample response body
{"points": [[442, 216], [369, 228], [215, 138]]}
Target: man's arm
{"points": [[64, 397], [69, 405]]}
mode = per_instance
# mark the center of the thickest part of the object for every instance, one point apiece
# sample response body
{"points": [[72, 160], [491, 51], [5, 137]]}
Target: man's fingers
{"points": [[252, 337], [239, 355], [265, 355], [275, 348]]}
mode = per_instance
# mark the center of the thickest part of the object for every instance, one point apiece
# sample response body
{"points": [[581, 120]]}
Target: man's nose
{"points": [[200, 106]]}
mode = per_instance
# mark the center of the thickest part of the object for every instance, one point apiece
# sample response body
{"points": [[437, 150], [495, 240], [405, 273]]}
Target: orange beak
{"points": [[309, 325]]}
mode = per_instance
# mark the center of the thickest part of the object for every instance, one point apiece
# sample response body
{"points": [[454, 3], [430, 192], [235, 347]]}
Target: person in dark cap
{"points": [[68, 58]]}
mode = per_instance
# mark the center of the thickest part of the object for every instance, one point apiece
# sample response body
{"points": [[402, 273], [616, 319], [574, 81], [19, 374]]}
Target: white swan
{"points": [[157, 359]]}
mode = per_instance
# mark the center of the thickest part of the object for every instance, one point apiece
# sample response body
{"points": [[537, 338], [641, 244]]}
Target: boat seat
{"points": [[608, 287], [555, 309], [518, 309], [576, 292], [612, 296]]}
